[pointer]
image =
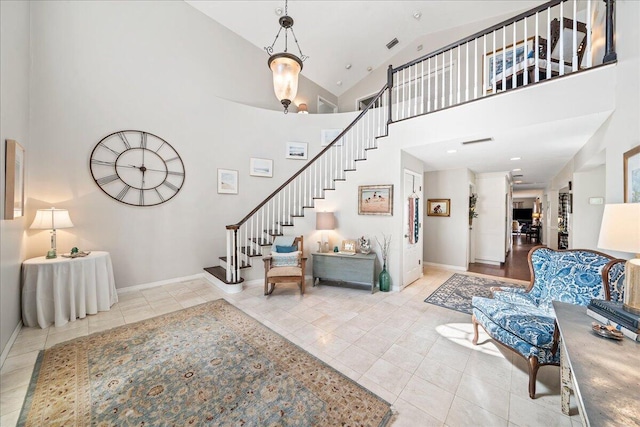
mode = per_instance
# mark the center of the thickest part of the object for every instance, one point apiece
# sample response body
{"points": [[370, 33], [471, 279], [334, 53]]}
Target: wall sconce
{"points": [[51, 219]]}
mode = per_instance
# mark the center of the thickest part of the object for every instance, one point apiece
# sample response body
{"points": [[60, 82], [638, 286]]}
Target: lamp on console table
{"points": [[620, 231], [324, 221], [51, 219]]}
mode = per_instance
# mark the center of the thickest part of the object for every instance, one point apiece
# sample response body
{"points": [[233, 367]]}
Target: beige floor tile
{"points": [[344, 369], [375, 388], [410, 416], [138, 315], [386, 332], [374, 344], [524, 412], [61, 337], [485, 395], [328, 323], [363, 322], [26, 360], [349, 332], [331, 344], [439, 374], [403, 358], [105, 325], [491, 369], [15, 379], [452, 358], [10, 419], [27, 333], [388, 376], [466, 414], [12, 400], [309, 333], [26, 346], [356, 358], [427, 397], [415, 343]]}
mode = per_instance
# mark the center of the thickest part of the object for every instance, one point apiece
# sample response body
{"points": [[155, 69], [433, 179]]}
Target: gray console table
{"points": [[605, 373], [358, 268]]}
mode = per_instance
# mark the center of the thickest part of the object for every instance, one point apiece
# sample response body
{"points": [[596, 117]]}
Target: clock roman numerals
{"points": [[170, 185], [143, 140], [141, 202], [175, 173], [107, 179], [159, 195], [123, 137], [102, 162], [108, 148], [123, 192]]}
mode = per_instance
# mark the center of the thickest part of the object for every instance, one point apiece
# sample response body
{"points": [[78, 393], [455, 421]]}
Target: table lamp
{"points": [[324, 221], [620, 231], [51, 219], [536, 218]]}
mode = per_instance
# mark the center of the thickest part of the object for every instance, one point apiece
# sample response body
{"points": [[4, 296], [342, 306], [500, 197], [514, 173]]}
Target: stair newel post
{"points": [[231, 274], [610, 42], [390, 88], [236, 266]]}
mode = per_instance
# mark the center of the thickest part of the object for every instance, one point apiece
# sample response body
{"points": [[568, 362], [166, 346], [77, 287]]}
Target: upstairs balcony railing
{"points": [[553, 40]]}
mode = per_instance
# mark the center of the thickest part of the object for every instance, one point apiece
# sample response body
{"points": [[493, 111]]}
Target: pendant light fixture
{"points": [[285, 66]]}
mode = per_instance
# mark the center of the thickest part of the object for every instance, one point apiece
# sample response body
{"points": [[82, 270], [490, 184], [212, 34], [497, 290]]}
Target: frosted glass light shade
{"points": [[620, 230], [51, 219], [285, 68]]}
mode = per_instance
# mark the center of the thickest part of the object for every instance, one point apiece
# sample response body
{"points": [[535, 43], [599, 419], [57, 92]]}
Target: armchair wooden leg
{"points": [[475, 330], [302, 286], [533, 373]]}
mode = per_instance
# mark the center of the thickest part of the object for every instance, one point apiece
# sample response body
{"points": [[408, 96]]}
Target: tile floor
{"points": [[417, 356]]}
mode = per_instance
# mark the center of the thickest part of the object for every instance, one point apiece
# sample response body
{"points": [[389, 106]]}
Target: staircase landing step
{"points": [[221, 274], [242, 263]]}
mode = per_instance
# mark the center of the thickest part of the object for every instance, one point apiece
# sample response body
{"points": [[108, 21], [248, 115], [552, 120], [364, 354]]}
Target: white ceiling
{"points": [[336, 33]]}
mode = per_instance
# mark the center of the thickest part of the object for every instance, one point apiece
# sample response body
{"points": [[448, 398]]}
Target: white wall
{"points": [[99, 67], [446, 238], [587, 217], [491, 224], [14, 124]]}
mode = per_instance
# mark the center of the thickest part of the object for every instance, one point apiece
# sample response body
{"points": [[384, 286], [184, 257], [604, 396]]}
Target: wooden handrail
{"points": [[306, 166], [480, 34]]}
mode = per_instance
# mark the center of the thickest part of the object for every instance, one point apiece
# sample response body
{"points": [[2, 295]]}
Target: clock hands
{"points": [[142, 168]]}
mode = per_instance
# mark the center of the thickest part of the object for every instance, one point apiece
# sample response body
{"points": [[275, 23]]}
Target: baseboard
{"points": [[12, 339], [485, 261], [445, 266], [158, 283]]}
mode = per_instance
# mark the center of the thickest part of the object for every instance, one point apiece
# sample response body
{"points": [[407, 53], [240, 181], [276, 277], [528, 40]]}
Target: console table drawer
{"points": [[358, 268]]}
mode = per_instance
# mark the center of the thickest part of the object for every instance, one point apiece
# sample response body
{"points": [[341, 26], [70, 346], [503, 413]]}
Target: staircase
{"points": [[556, 42]]}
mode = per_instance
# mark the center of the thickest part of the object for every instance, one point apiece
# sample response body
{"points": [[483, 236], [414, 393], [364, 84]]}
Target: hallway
{"points": [[515, 265]]}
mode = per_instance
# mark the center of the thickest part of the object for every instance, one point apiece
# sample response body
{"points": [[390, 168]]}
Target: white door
{"points": [[412, 243]]}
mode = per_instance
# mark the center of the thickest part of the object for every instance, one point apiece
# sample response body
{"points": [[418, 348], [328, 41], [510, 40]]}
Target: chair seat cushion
{"points": [[284, 271], [530, 324]]}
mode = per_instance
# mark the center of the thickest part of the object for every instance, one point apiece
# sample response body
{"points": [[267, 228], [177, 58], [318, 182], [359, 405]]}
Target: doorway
{"points": [[412, 227]]}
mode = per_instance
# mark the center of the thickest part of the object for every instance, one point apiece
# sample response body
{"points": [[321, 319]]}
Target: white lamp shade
{"points": [[325, 221], [51, 219], [620, 230], [285, 68]]}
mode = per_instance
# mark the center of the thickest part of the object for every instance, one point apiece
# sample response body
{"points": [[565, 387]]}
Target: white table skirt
{"points": [[62, 289]]}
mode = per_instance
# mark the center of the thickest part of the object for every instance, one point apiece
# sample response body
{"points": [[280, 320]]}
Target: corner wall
{"points": [[14, 124]]}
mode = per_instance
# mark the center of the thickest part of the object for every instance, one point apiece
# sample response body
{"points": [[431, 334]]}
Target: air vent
{"points": [[392, 43], [518, 176], [475, 141]]}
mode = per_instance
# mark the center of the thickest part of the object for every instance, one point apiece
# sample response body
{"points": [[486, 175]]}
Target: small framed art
{"points": [[14, 180], [261, 167], [328, 135], [348, 247], [438, 207], [375, 200], [296, 150], [227, 181], [632, 175]]}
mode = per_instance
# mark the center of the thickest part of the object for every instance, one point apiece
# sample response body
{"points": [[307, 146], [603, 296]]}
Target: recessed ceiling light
{"points": [[339, 82], [516, 170], [278, 11], [419, 48], [348, 66], [517, 182], [515, 158], [417, 14], [452, 151]]}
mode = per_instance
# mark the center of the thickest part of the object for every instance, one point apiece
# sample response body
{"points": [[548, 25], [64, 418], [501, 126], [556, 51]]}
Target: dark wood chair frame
{"points": [[270, 282], [532, 362]]}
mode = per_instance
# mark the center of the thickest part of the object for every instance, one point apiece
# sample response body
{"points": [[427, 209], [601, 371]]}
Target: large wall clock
{"points": [[137, 168]]}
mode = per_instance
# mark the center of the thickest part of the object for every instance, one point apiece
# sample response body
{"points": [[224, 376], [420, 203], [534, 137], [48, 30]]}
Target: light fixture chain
{"points": [[286, 7], [269, 49], [302, 56]]}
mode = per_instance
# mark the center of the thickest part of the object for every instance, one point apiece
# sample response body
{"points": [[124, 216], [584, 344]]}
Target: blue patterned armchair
{"points": [[523, 319]]}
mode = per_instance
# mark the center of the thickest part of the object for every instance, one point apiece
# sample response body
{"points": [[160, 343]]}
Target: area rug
{"points": [[206, 365], [456, 293]]}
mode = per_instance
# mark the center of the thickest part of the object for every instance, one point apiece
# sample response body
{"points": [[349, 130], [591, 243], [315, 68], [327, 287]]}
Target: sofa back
{"points": [[571, 276]]}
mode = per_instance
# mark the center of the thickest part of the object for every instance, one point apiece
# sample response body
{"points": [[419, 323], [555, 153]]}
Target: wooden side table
{"points": [[358, 268]]}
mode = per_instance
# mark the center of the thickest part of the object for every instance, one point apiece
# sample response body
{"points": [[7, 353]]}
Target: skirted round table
{"points": [[59, 290]]}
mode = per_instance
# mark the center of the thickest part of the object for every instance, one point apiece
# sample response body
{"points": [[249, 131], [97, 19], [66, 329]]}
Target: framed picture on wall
{"points": [[261, 167], [375, 200], [227, 181], [296, 150], [632, 175], [14, 180], [502, 61], [328, 135], [438, 207]]}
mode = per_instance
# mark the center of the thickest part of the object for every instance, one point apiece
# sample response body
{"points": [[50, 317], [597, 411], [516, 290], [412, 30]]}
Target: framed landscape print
{"points": [[227, 181], [328, 135], [632, 175], [502, 61], [438, 207], [375, 200], [261, 167], [14, 180], [296, 150]]}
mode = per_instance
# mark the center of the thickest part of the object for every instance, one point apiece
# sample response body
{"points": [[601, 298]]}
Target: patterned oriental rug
{"points": [[206, 365], [457, 291]]}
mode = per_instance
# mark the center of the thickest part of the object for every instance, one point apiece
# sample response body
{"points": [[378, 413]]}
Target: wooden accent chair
{"points": [[285, 267], [523, 320]]}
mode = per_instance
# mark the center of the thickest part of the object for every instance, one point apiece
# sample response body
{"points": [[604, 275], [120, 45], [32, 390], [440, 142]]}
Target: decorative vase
{"points": [[384, 279]]}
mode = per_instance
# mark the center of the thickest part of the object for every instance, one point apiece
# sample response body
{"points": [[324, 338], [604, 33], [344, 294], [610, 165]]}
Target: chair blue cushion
{"points": [[286, 249]]}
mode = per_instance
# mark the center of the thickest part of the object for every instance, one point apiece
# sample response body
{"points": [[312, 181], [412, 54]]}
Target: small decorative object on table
{"points": [[606, 331], [75, 253], [336, 249], [348, 247], [384, 279], [365, 245]]}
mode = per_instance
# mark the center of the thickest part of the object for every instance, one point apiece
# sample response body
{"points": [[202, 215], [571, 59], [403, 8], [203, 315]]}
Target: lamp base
{"points": [[52, 254], [631, 301]]}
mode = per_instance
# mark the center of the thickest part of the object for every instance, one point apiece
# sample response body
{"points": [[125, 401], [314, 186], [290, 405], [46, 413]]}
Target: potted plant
{"points": [[384, 279]]}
